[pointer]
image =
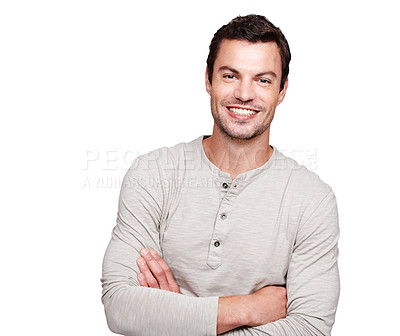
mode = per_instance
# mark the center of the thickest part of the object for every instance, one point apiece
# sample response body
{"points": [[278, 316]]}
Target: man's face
{"points": [[245, 87]]}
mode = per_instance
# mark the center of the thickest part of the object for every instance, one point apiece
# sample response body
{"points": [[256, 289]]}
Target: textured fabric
{"points": [[274, 225]]}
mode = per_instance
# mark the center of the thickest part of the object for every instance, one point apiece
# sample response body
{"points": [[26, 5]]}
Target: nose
{"points": [[245, 91]]}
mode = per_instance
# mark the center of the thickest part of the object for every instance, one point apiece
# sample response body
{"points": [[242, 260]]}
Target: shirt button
{"points": [[225, 185], [223, 216], [217, 243]]}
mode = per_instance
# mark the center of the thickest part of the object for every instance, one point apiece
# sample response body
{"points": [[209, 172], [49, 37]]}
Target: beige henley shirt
{"points": [[274, 225]]}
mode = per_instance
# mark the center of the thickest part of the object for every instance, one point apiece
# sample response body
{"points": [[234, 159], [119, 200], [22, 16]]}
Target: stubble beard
{"points": [[240, 132]]}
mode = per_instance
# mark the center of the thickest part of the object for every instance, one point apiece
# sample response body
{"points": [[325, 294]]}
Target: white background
{"points": [[85, 86]]}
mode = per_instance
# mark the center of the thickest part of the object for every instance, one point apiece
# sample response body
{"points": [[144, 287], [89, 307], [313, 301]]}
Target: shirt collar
{"points": [[225, 176]]}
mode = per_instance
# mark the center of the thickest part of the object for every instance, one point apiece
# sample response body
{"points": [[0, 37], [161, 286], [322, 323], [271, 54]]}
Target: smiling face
{"points": [[245, 88]]}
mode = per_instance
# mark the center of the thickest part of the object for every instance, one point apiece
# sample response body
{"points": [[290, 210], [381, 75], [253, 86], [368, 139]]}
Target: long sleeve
{"points": [[312, 278], [131, 309], [176, 202]]}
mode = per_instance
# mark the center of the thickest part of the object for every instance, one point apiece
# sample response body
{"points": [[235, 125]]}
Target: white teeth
{"points": [[241, 111]]}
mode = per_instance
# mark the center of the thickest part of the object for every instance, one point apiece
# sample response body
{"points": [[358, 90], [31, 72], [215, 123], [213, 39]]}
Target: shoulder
{"points": [[300, 176], [163, 161], [303, 185], [309, 195]]}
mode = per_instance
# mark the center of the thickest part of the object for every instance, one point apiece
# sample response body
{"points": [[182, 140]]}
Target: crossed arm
{"points": [[134, 303], [264, 306]]}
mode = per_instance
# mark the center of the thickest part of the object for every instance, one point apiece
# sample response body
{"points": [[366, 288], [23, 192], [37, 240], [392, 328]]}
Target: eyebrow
{"points": [[226, 68], [270, 73]]}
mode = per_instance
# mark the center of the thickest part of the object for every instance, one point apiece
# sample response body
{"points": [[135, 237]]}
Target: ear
{"points": [[283, 92], [208, 84]]}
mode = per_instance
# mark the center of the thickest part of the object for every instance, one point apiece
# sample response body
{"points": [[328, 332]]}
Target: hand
{"points": [[155, 272], [267, 305]]}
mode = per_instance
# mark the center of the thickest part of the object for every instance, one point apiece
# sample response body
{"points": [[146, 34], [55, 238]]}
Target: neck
{"points": [[234, 156]]}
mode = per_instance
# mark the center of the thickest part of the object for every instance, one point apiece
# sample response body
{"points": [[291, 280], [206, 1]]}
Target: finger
{"points": [[167, 271], [156, 269], [142, 280], [144, 269]]}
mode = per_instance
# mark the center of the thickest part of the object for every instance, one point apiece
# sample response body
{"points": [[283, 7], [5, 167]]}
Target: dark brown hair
{"points": [[253, 28]]}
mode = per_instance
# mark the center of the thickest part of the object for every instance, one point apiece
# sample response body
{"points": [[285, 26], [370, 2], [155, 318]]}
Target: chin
{"points": [[241, 136]]}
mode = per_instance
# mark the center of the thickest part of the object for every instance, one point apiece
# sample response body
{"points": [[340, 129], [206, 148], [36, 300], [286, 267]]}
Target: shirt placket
{"points": [[228, 190]]}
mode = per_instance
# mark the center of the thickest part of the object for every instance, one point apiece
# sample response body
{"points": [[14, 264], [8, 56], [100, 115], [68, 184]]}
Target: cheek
{"points": [[269, 97], [221, 91]]}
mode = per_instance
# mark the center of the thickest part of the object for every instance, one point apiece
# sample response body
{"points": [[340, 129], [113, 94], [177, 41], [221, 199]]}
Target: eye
{"points": [[264, 81], [229, 76]]}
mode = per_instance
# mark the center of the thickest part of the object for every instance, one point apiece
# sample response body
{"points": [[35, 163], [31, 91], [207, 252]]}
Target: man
{"points": [[225, 234]]}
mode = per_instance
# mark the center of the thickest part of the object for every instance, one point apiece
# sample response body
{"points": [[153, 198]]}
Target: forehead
{"points": [[260, 56]]}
